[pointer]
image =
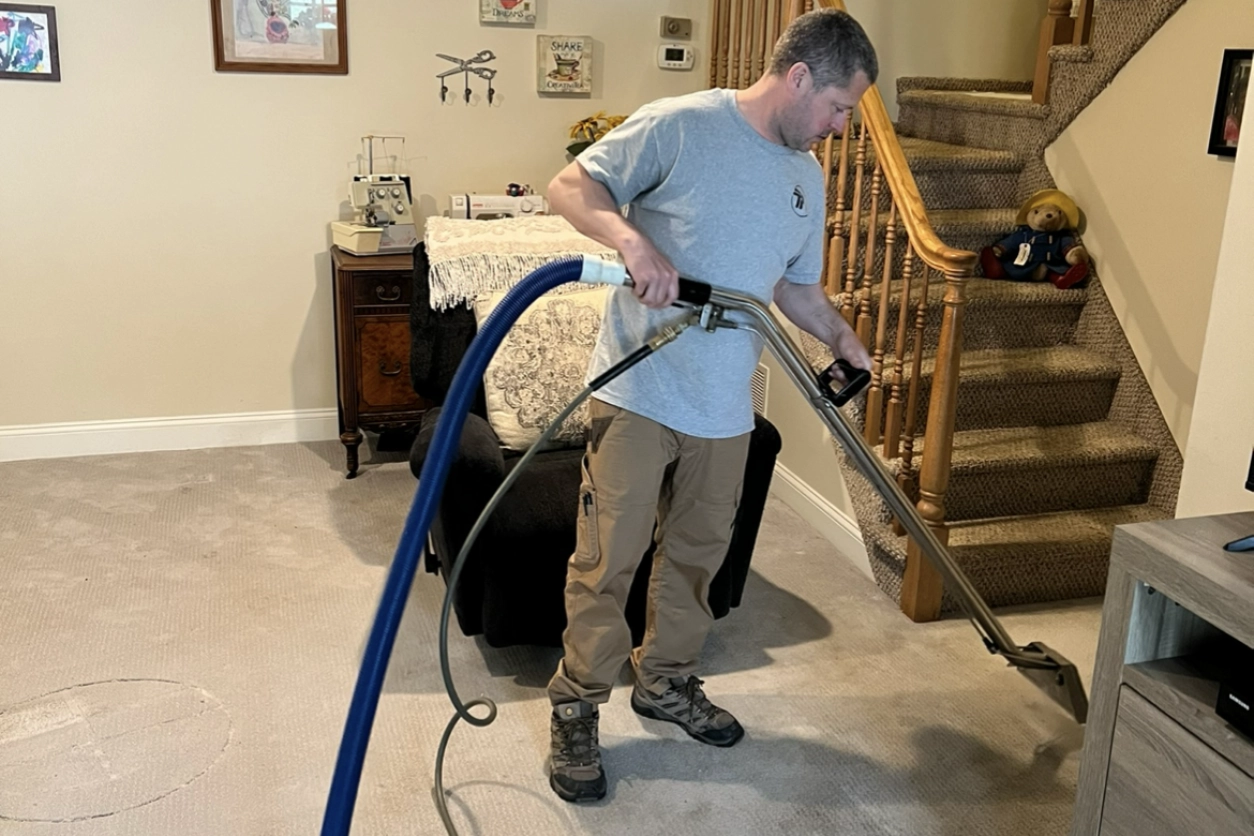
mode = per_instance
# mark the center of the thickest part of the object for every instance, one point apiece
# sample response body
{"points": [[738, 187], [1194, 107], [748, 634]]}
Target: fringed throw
{"points": [[470, 259]]}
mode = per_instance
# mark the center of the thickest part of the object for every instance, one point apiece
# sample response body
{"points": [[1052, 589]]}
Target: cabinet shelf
{"points": [[1186, 689]]}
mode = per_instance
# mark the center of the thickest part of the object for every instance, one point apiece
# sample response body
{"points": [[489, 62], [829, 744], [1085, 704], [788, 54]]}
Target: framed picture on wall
{"points": [[1234, 83], [564, 63], [28, 43], [516, 12], [280, 36]]}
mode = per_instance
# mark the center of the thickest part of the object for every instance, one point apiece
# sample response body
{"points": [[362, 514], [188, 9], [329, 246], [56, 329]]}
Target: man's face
{"points": [[816, 113]]}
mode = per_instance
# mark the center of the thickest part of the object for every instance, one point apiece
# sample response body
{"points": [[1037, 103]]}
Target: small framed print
{"points": [[280, 36], [1234, 85], [564, 63], [28, 43], [516, 12]]}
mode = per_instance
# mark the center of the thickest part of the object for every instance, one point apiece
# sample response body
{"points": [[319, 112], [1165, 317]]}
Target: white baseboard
{"points": [[189, 432], [837, 527]]}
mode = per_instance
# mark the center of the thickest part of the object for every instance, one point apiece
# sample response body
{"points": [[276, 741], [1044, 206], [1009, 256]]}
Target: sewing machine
{"points": [[486, 207], [384, 213]]}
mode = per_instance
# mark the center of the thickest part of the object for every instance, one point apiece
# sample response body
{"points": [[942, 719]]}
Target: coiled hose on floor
{"points": [[346, 778]]}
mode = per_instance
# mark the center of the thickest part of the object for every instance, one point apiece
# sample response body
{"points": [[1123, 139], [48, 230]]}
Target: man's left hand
{"points": [[848, 347]]}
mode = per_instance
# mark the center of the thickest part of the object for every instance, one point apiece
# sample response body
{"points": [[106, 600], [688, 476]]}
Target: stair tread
{"points": [[1028, 365], [924, 82], [998, 103], [1067, 445], [1090, 527], [929, 155]]}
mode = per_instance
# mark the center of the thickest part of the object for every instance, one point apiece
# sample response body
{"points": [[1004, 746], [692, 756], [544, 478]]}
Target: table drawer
{"points": [[1163, 781], [382, 288], [383, 365]]}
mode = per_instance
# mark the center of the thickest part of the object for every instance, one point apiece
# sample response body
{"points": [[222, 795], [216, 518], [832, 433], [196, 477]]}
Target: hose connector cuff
{"points": [[603, 271]]}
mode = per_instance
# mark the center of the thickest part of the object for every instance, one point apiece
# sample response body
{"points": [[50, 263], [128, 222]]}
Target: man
{"points": [[721, 187]]}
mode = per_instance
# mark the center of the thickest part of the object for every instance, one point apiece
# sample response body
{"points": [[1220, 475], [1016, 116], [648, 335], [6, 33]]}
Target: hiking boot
{"points": [[575, 772], [685, 704]]}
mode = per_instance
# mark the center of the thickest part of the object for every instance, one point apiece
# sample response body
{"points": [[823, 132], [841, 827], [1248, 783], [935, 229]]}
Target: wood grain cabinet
{"points": [[1178, 619], [372, 295]]}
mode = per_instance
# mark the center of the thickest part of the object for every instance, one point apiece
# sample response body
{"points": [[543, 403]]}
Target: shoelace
{"points": [[577, 740], [696, 698]]}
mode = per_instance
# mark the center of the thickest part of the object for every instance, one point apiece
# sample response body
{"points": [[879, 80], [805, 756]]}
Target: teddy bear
{"points": [[1045, 246]]}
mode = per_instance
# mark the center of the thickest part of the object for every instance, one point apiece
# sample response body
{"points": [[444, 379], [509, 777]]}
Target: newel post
{"points": [[922, 586]]}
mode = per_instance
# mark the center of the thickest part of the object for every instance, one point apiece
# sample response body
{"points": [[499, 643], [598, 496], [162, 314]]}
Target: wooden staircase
{"points": [[1014, 413]]}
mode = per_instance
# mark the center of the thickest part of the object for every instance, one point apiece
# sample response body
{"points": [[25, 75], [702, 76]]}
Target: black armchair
{"points": [[511, 589]]}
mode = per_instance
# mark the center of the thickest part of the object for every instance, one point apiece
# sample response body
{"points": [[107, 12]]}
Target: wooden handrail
{"points": [[912, 214]]}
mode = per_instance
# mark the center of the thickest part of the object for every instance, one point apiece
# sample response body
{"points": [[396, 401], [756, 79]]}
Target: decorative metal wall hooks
{"points": [[464, 66]]}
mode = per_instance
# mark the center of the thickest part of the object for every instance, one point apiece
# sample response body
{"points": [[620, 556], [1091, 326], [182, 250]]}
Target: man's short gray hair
{"points": [[831, 43]]}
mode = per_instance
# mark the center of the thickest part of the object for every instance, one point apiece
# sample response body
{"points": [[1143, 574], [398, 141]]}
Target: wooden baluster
{"points": [[1057, 28], [762, 48], [746, 63], [870, 247], [736, 54], [836, 244], [720, 39], [773, 14], [1083, 23], [875, 394], [892, 435], [906, 476], [922, 586], [848, 310]]}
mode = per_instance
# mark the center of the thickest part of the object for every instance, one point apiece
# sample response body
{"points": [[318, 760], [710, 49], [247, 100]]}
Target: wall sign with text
{"points": [[564, 63]]}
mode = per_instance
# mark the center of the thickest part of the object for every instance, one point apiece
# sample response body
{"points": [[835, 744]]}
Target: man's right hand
{"points": [[655, 280]]}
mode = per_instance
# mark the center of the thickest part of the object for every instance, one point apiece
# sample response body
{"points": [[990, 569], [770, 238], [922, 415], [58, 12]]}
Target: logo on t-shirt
{"points": [[799, 202]]}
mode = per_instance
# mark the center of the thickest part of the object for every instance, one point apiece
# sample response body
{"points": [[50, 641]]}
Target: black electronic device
{"points": [[1244, 544], [1236, 695]]}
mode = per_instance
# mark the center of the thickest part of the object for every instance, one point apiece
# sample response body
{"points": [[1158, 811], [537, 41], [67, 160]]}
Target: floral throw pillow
{"points": [[540, 367]]}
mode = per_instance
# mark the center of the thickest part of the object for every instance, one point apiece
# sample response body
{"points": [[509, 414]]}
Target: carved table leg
{"points": [[351, 439]]}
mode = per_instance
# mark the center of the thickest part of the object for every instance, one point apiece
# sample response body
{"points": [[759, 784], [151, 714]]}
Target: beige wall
{"points": [[163, 228], [965, 39], [1136, 162], [1217, 460]]}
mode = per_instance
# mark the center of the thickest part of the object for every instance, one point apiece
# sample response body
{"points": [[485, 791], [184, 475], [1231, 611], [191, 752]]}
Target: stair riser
{"points": [[1032, 576], [951, 189], [991, 404], [1042, 490], [1004, 327], [967, 127]]}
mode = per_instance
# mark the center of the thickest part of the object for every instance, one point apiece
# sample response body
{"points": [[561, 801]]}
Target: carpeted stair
{"points": [[1058, 436]]}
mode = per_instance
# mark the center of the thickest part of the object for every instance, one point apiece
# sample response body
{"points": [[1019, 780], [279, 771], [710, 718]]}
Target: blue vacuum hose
{"points": [[344, 783]]}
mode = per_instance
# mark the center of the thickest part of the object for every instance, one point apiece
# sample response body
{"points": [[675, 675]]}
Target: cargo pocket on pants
{"points": [[587, 540]]}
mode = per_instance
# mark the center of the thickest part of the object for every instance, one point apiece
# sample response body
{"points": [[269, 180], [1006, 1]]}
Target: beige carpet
{"points": [[181, 634]]}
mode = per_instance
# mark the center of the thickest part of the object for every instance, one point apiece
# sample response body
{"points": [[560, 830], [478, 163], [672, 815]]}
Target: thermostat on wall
{"points": [[675, 57]]}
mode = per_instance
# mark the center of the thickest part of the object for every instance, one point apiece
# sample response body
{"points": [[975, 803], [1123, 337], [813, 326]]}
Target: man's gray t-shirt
{"points": [[727, 207]]}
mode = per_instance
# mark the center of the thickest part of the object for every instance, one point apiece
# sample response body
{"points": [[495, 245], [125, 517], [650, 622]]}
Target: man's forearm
{"points": [[807, 307], [590, 209]]}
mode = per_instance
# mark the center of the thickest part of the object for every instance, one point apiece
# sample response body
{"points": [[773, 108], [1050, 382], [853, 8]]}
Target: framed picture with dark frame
{"points": [[280, 36], [28, 43], [1234, 83]]}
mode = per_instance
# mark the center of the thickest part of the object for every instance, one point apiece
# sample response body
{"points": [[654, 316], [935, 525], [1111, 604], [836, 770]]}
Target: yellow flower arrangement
{"points": [[587, 131]]}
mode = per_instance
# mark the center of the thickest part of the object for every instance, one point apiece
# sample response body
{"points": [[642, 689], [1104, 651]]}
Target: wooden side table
{"points": [[1178, 618], [372, 295]]}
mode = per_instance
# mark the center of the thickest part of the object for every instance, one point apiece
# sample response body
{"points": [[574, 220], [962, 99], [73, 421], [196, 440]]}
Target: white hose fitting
{"points": [[603, 271]]}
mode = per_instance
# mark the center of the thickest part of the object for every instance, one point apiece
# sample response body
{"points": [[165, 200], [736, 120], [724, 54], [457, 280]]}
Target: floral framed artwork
{"points": [[280, 36], [515, 12], [1234, 84], [28, 43]]}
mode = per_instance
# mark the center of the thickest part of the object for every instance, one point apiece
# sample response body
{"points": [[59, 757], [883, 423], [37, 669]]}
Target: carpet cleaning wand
{"points": [[710, 306]]}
